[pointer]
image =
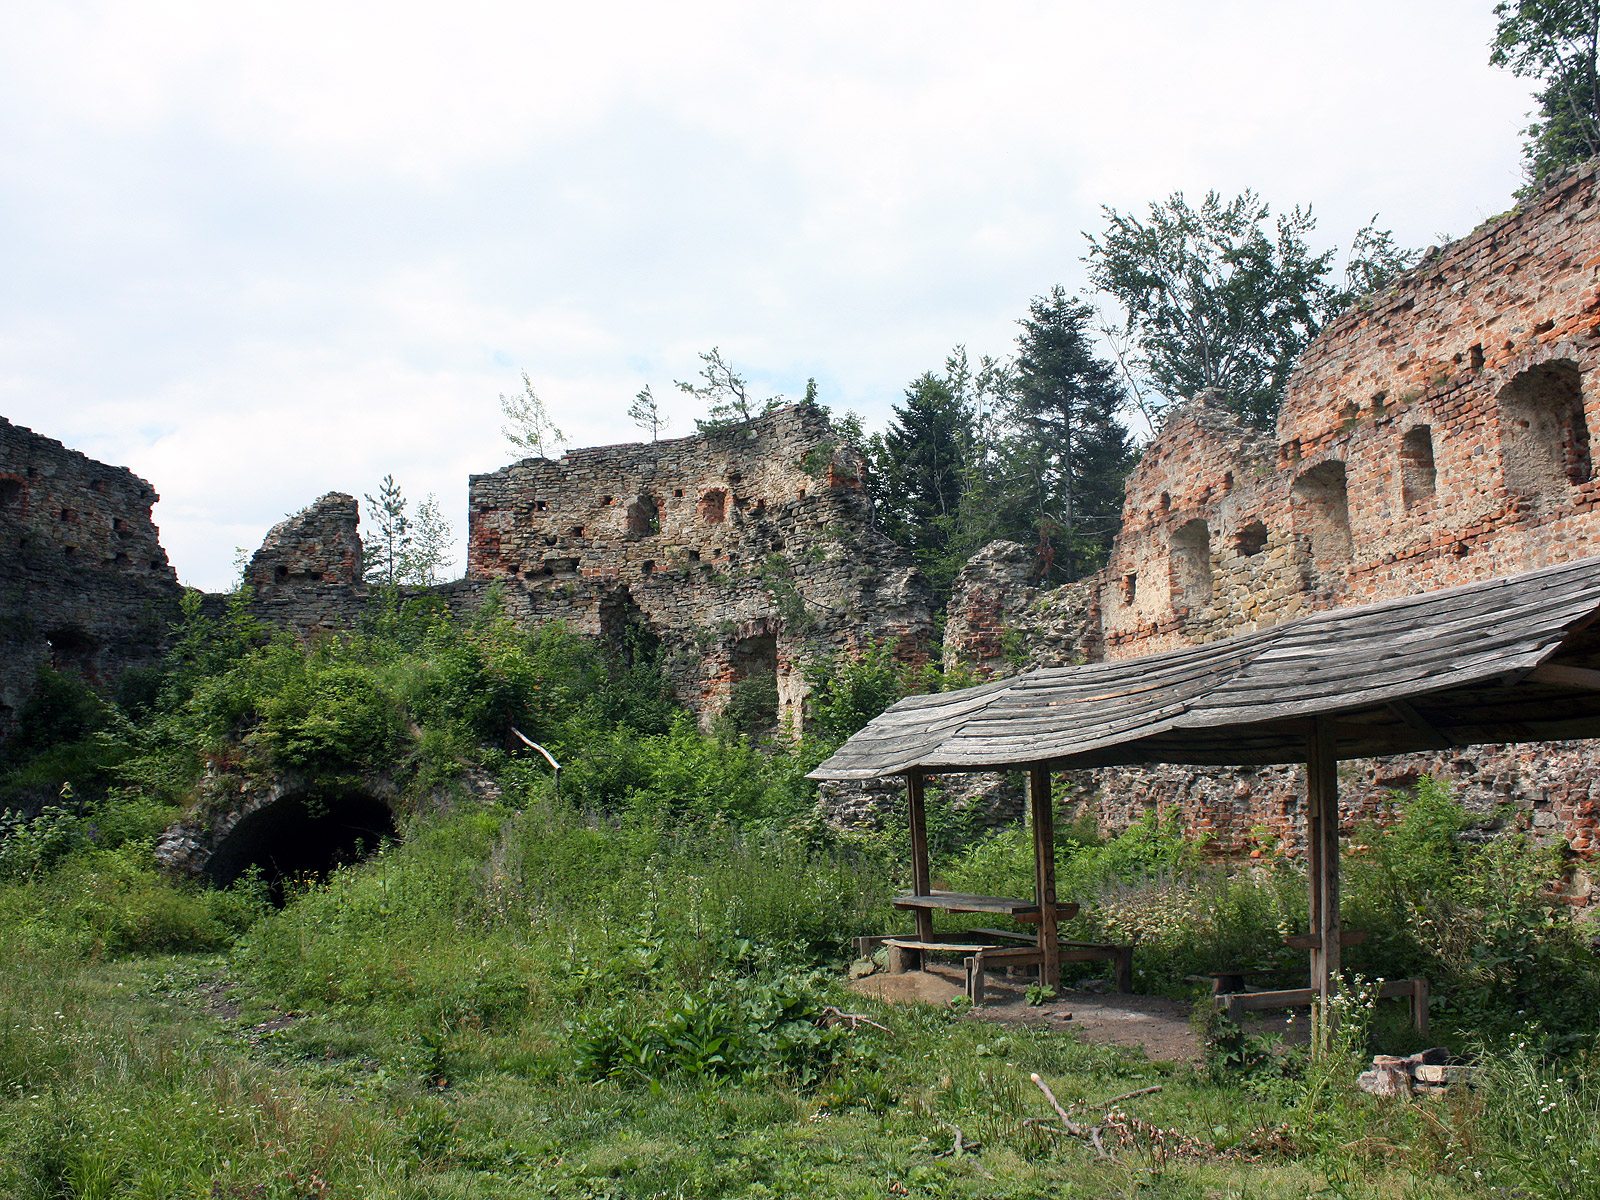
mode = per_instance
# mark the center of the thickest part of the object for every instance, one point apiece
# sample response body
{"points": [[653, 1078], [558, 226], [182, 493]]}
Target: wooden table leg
{"points": [[1044, 874], [921, 873]]}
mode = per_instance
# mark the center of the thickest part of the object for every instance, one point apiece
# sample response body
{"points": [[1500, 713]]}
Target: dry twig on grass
{"points": [[1128, 1129], [834, 1016]]}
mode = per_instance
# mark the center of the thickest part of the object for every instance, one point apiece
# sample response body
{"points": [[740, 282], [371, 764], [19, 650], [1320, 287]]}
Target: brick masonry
{"points": [[1435, 435]]}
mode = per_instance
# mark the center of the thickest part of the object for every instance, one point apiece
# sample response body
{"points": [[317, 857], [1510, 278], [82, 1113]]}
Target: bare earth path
{"points": [[1158, 1026]]}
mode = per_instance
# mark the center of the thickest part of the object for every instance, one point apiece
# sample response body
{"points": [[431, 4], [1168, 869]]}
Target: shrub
{"points": [[736, 1027]]}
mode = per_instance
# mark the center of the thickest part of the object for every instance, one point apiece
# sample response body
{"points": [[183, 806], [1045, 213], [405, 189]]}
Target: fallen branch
{"points": [[959, 1148], [832, 1015], [1145, 1091], [1068, 1125], [1128, 1129], [1067, 1122]]}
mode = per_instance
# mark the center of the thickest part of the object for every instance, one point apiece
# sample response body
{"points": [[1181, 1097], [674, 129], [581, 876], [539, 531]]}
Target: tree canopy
{"points": [[1554, 42], [1219, 296]]}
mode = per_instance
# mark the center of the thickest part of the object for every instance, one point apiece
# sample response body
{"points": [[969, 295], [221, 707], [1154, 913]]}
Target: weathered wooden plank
{"points": [[1558, 675], [1188, 705], [920, 869], [1322, 794], [1042, 807], [961, 902]]}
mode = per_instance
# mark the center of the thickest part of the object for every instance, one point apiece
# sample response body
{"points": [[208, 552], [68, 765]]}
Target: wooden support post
{"points": [[921, 877], [1322, 838], [1044, 874]]}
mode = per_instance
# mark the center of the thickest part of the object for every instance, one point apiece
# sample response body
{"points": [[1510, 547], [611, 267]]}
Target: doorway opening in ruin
{"points": [[753, 700], [1544, 436], [1190, 554], [72, 649], [644, 517], [302, 839], [714, 506], [1322, 509], [1418, 476]]}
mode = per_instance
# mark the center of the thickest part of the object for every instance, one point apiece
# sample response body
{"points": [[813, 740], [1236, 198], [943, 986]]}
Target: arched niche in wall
{"points": [[1322, 514], [753, 700], [1189, 549], [1418, 476], [1544, 436]]}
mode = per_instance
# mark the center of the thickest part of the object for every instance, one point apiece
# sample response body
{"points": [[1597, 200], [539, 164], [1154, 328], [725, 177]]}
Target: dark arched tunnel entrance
{"points": [[300, 838]]}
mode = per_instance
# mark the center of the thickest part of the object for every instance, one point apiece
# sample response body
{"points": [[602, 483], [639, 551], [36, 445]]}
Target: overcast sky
{"points": [[258, 252]]}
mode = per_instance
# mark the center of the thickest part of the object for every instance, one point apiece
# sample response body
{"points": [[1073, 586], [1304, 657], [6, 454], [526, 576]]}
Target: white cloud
{"points": [[261, 251]]}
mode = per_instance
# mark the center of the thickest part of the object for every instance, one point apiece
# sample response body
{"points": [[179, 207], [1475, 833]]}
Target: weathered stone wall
{"points": [[84, 582], [1435, 435], [745, 550]]}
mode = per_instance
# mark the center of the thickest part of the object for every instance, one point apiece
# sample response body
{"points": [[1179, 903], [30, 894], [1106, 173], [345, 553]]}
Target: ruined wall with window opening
{"points": [[748, 550], [1436, 434]]}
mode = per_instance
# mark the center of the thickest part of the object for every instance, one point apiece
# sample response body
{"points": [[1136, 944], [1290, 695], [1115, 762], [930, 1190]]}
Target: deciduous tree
{"points": [[1218, 296], [528, 425], [1554, 42]]}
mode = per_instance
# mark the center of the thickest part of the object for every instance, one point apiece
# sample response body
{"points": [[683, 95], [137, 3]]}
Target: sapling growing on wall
{"points": [[726, 394], [405, 549], [645, 412], [528, 426]]}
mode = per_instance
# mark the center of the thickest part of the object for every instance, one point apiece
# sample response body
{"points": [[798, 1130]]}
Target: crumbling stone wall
{"points": [[1435, 435], [84, 583], [307, 575], [747, 549]]}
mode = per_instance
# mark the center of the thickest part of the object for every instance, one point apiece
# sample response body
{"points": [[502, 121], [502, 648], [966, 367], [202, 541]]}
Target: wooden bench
{"points": [[1121, 956], [904, 953], [1236, 1004]]}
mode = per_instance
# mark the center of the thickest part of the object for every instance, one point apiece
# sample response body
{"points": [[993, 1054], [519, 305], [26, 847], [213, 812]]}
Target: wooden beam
{"points": [[1322, 796], [1044, 873], [1408, 713], [918, 819], [1562, 676]]}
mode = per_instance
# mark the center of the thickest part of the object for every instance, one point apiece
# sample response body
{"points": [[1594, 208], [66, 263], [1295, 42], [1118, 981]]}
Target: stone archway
{"points": [[301, 837], [284, 829]]}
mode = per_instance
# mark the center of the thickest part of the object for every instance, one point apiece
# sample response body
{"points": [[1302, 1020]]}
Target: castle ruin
{"points": [[1436, 434]]}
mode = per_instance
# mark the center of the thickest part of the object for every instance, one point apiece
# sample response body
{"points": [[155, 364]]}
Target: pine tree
{"points": [[646, 413], [1071, 453], [390, 546], [920, 464]]}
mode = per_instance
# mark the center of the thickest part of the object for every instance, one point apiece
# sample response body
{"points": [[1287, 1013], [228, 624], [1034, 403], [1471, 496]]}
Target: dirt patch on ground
{"points": [[1158, 1026]]}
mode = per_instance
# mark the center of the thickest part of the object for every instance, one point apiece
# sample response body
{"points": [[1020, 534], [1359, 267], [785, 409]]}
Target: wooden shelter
{"points": [[1506, 660]]}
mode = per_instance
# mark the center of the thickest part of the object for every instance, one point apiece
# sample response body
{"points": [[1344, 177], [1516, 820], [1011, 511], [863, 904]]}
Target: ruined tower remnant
{"points": [[748, 550], [1435, 434], [84, 583], [307, 575]]}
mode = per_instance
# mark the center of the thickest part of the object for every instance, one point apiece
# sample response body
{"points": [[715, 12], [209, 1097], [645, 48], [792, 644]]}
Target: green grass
{"points": [[623, 994], [414, 1027]]}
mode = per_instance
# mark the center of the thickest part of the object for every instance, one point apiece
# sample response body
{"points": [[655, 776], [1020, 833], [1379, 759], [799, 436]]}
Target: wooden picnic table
{"points": [[1027, 911]]}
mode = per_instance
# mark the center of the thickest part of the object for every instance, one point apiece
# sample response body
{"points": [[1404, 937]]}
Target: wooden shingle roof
{"points": [[1505, 660]]}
